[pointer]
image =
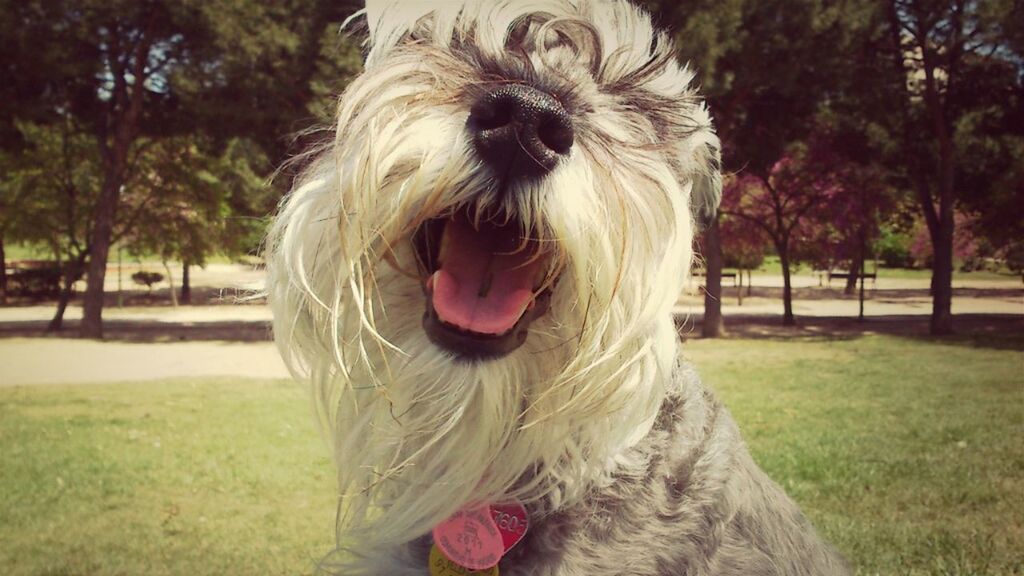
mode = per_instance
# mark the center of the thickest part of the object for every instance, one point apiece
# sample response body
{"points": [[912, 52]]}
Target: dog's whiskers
{"points": [[569, 139]]}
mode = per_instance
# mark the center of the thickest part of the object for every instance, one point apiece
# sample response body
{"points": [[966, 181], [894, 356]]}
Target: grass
{"points": [[180, 477], [772, 267], [14, 252], [906, 454]]}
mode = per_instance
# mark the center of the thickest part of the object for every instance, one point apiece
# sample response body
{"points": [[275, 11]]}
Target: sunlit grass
{"points": [[772, 267], [184, 477], [905, 453]]}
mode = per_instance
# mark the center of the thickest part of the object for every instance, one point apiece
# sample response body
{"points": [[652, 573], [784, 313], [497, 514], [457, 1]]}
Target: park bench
{"points": [[846, 276], [33, 278], [725, 275]]}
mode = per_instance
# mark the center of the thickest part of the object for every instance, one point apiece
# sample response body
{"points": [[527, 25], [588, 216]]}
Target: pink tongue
{"points": [[485, 281]]}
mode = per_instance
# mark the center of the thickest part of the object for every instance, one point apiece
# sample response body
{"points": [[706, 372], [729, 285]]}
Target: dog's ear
{"points": [[706, 194], [401, 15], [373, 11]]}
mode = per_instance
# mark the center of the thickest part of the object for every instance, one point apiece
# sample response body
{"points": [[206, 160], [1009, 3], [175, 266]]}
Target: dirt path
{"points": [[148, 339], [32, 361]]}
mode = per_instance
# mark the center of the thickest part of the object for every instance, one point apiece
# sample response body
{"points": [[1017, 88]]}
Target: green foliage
{"points": [[186, 108], [990, 143], [190, 205], [1014, 255], [893, 248], [744, 51], [49, 188]]}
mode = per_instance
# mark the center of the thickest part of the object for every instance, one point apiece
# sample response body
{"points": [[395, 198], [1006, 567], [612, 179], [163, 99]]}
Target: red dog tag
{"points": [[471, 539], [512, 522]]}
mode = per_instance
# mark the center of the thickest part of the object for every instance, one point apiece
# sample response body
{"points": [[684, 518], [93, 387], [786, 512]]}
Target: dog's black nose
{"points": [[520, 131]]}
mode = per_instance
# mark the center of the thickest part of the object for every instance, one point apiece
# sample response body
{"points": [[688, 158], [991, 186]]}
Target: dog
{"points": [[476, 278]]}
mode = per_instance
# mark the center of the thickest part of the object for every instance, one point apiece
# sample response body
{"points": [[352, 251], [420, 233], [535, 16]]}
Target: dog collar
{"points": [[473, 540]]}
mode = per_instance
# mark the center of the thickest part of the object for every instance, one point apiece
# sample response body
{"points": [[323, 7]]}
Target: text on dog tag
{"points": [[470, 538]]}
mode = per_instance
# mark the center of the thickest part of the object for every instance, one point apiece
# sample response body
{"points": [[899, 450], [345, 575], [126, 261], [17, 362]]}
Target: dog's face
{"points": [[478, 273]]}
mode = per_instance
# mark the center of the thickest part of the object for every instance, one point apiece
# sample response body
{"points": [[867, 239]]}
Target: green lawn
{"points": [[15, 252], [772, 267], [907, 454], [183, 477]]}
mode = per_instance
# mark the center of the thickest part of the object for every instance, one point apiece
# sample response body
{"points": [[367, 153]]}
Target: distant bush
{"points": [[147, 279], [1014, 256], [893, 249]]}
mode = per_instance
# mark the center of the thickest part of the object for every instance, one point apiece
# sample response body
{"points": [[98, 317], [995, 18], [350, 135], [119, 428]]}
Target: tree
{"points": [[712, 326], [763, 104], [937, 48], [55, 176], [990, 152], [843, 230], [131, 73], [203, 203], [744, 248], [966, 247], [14, 196], [780, 202]]}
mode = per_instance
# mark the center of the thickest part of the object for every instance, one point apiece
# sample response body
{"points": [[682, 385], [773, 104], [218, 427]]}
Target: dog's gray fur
{"points": [[692, 503]]}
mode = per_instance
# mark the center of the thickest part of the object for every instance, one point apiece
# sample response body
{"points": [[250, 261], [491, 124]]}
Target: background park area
{"points": [[179, 445], [857, 299]]}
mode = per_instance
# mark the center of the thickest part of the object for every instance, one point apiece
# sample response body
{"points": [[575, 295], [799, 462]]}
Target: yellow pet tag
{"points": [[442, 566]]}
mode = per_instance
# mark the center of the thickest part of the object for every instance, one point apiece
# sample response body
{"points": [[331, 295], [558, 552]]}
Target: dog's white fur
{"points": [[416, 435]]}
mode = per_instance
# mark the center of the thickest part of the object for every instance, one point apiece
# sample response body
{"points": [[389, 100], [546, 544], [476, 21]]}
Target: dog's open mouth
{"points": [[486, 280]]}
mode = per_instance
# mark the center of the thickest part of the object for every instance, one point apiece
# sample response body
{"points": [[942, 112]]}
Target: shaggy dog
{"points": [[477, 276]]}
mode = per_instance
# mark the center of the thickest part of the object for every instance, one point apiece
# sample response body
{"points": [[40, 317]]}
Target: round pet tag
{"points": [[470, 538], [442, 566]]}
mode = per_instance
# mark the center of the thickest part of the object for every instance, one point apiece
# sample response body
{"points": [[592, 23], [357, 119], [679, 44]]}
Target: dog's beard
{"points": [[415, 433]]}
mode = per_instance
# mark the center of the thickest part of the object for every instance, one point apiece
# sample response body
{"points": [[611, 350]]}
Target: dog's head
{"points": [[477, 274]]}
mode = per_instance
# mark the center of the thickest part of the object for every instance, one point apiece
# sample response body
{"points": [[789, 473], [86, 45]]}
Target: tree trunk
{"points": [[120, 275], [863, 257], [851, 279], [942, 242], [71, 274], [57, 322], [186, 286], [787, 288], [103, 218], [750, 282], [739, 287], [942, 279], [3, 273], [124, 112], [942, 131], [170, 283], [940, 222], [713, 326]]}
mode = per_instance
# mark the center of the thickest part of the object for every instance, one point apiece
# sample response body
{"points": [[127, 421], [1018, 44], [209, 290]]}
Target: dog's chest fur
{"points": [[688, 502]]}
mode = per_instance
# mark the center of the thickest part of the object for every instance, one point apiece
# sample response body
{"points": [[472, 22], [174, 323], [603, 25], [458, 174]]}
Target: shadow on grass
{"points": [[157, 298], [994, 331], [149, 332]]}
